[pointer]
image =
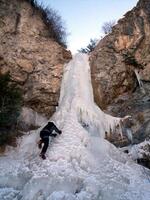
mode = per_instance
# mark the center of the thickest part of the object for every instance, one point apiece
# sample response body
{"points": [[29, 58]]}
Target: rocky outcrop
{"points": [[137, 105], [111, 74], [141, 153], [34, 60]]}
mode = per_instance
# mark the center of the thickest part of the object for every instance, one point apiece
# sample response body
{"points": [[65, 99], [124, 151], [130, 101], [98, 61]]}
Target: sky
{"points": [[84, 18]]}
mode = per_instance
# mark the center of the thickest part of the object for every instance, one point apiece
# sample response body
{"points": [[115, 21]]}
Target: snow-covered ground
{"points": [[80, 164]]}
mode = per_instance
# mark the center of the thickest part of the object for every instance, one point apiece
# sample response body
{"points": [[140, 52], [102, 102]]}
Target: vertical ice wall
{"points": [[77, 97]]}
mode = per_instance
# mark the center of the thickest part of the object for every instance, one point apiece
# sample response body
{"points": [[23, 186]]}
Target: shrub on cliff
{"points": [[10, 102], [53, 21]]}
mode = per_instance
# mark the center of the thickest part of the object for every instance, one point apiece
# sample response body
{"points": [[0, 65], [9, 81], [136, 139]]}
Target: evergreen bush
{"points": [[90, 47], [10, 106]]}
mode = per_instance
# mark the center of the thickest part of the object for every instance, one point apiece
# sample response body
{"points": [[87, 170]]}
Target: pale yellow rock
{"points": [[25, 65], [123, 42], [145, 74]]}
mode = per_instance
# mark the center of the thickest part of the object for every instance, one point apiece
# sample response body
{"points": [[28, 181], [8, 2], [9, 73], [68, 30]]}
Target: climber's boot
{"points": [[42, 156]]}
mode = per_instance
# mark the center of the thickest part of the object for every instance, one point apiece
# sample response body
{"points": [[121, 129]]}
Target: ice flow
{"points": [[80, 164]]}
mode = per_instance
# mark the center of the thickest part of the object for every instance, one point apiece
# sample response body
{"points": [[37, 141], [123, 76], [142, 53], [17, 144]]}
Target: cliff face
{"points": [[111, 76], [114, 61], [34, 60]]}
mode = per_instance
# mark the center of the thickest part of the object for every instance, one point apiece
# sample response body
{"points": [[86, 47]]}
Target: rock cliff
{"points": [[35, 60], [111, 74], [118, 61]]}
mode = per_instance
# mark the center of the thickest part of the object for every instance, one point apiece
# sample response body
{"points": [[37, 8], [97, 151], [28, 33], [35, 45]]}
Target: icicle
{"points": [[129, 135], [138, 78]]}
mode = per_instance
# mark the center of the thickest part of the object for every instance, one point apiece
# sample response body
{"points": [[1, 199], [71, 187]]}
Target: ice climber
{"points": [[49, 130]]}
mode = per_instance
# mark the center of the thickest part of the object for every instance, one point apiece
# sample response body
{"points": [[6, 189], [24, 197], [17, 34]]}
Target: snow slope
{"points": [[80, 164]]}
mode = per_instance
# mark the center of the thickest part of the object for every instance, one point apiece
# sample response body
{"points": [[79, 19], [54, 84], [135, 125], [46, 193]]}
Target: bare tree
{"points": [[107, 27]]}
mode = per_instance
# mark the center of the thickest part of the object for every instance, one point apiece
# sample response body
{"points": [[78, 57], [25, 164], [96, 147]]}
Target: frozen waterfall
{"points": [[80, 164]]}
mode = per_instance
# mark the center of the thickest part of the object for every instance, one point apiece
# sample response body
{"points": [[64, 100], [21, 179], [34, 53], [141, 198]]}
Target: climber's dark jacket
{"points": [[48, 130], [45, 133]]}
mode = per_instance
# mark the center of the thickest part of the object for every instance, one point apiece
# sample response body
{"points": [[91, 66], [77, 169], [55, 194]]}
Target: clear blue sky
{"points": [[84, 18]]}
